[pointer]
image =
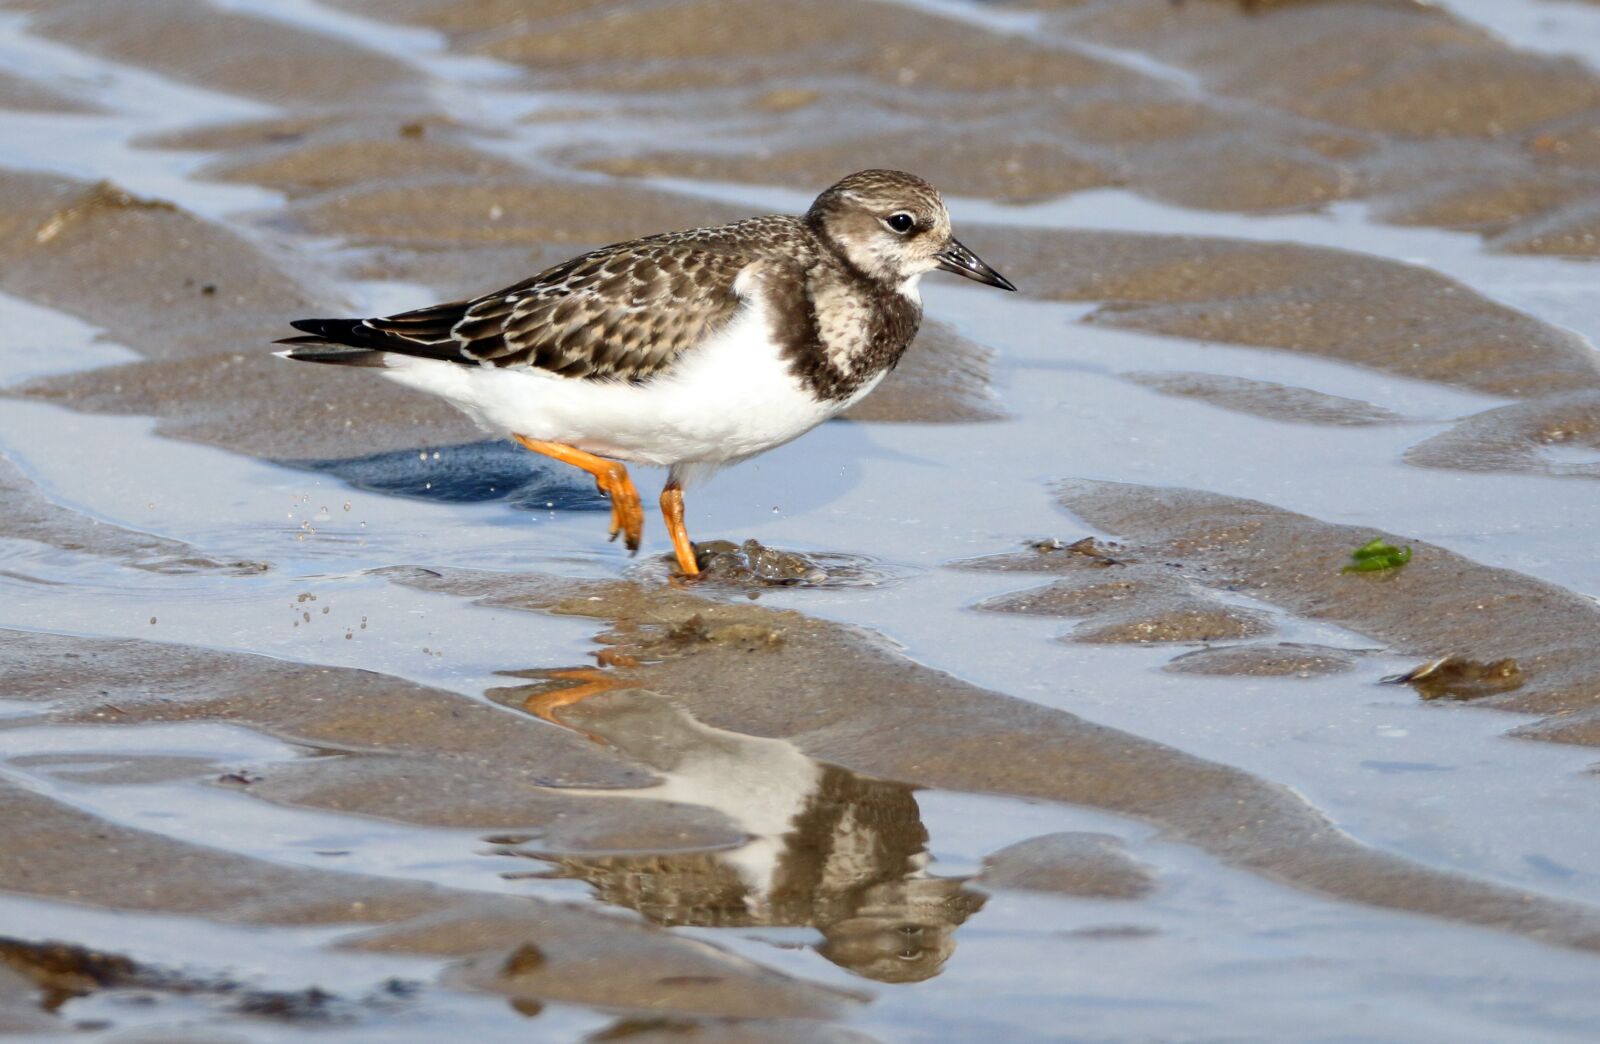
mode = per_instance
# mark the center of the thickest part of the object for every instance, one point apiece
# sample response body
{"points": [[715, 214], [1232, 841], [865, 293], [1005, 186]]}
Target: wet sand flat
{"points": [[1042, 690]]}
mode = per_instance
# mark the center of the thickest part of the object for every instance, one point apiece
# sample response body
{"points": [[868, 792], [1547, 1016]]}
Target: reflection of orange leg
{"points": [[627, 513], [590, 682], [672, 511]]}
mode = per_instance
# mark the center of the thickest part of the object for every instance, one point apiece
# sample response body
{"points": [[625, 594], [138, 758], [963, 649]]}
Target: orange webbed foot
{"points": [[610, 477]]}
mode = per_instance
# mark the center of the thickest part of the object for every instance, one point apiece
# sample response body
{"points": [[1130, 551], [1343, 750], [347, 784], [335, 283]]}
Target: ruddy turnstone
{"points": [[689, 350]]}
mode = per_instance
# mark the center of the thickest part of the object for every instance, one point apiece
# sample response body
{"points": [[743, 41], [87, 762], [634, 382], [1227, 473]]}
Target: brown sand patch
{"points": [[250, 401], [1246, 171], [1498, 202], [1175, 620], [1137, 602], [751, 42], [1572, 143], [1518, 437], [1265, 399], [1307, 102], [276, 130], [1172, 148], [519, 211], [1571, 230], [389, 154], [980, 161], [641, 969], [454, 273], [1284, 660], [205, 304], [138, 268], [1137, 117], [1440, 604], [1414, 83], [338, 709], [1092, 866], [1356, 308], [469, 16], [47, 845], [21, 94], [1396, 68], [588, 958], [1459, 93], [226, 51], [389, 748]]}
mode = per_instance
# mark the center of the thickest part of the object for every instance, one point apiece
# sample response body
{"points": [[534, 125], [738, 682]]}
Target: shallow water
{"points": [[1214, 952]]}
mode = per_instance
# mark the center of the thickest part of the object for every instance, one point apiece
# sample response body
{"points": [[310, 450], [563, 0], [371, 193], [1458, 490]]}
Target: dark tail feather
{"points": [[352, 332], [315, 349], [355, 336]]}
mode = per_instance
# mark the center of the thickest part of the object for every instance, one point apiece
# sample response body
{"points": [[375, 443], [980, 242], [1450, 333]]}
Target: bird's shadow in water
{"points": [[475, 473], [827, 848], [803, 478]]}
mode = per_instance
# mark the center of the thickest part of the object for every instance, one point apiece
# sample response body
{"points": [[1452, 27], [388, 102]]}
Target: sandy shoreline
{"points": [[496, 138]]}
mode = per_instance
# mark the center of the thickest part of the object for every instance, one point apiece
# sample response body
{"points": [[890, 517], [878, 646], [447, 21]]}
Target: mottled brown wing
{"points": [[622, 314]]}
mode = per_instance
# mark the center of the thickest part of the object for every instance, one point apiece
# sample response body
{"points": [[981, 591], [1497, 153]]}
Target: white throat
{"points": [[908, 289]]}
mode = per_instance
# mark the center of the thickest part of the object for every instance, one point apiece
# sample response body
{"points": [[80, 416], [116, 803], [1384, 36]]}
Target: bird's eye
{"points": [[901, 222]]}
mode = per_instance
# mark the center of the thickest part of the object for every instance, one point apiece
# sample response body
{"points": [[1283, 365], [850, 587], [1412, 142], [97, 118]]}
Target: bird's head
{"points": [[893, 227]]}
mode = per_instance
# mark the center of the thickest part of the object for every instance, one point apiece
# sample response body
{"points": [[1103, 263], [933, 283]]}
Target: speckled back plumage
{"points": [[629, 311]]}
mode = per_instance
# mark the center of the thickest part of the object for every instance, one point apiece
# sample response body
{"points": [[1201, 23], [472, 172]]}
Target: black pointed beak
{"points": [[963, 262]]}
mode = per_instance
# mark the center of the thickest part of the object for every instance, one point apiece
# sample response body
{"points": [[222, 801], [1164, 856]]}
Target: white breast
{"points": [[729, 398]]}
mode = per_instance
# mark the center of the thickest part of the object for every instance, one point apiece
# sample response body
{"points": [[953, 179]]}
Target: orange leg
{"points": [[627, 513], [672, 511]]}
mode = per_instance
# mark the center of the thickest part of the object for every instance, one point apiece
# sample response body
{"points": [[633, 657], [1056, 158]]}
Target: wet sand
{"points": [[292, 649]]}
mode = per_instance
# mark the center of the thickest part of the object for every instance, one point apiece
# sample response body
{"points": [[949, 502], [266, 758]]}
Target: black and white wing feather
{"points": [[625, 312]]}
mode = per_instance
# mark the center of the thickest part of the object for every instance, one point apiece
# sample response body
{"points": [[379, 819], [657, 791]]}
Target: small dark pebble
{"points": [[524, 959]]}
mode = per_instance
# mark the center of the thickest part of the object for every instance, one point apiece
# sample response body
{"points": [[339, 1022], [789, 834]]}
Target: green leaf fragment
{"points": [[1377, 555], [1375, 546]]}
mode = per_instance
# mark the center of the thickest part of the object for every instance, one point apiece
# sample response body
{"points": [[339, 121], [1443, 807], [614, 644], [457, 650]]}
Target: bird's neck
{"points": [[846, 331]]}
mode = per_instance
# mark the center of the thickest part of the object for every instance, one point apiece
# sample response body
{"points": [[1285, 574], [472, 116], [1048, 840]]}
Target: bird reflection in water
{"points": [[826, 848]]}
